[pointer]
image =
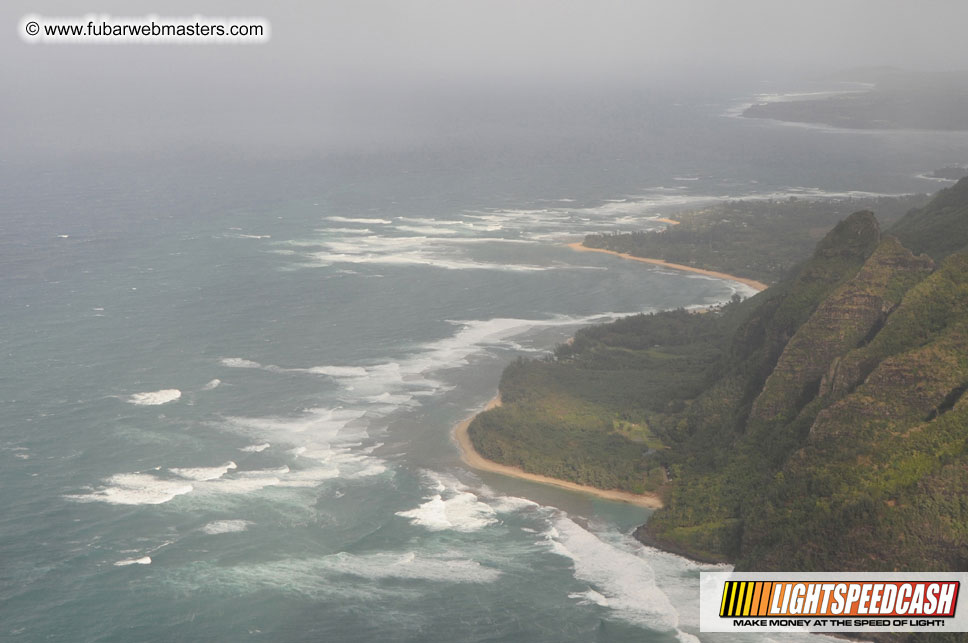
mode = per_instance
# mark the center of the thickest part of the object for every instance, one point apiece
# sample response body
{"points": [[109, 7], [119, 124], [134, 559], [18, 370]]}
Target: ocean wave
{"points": [[939, 179], [461, 512], [624, 581], [429, 221], [154, 398], [426, 229], [238, 362], [135, 489], [203, 473], [360, 220], [144, 560], [326, 445], [226, 526], [240, 235], [333, 575], [212, 384], [317, 466], [338, 371], [397, 383], [441, 568], [332, 231], [591, 597], [451, 506], [440, 243], [319, 425], [255, 448]]}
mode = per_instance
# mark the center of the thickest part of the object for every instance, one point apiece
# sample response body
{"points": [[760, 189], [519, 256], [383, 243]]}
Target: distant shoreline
{"points": [[752, 283], [475, 460]]}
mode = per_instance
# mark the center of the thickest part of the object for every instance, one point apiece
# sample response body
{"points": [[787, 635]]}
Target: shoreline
{"points": [[752, 283], [475, 460]]}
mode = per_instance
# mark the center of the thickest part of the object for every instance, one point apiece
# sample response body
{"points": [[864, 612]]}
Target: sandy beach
{"points": [[752, 283], [475, 460]]}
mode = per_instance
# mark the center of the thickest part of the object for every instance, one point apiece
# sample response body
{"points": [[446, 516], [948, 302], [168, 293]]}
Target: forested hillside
{"points": [[821, 425]]}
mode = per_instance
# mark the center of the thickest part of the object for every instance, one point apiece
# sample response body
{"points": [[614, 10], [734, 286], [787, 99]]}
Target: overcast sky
{"points": [[361, 49]]}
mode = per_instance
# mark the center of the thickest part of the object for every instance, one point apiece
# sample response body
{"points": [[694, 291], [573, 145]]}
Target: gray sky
{"points": [[346, 57]]}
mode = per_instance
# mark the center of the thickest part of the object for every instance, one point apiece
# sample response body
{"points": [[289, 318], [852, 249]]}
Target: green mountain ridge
{"points": [[820, 425]]}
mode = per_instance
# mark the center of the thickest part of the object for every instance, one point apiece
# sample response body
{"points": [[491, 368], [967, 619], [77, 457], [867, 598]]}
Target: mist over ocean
{"points": [[228, 381]]}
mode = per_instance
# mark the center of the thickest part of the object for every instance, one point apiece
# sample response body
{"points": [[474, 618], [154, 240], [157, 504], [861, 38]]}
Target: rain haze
{"points": [[311, 339], [345, 74]]}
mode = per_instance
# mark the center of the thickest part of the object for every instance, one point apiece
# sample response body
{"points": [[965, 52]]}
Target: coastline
{"points": [[475, 460], [752, 283]]}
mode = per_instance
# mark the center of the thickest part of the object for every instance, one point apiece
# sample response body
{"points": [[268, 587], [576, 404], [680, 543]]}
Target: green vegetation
{"points": [[819, 425], [590, 419], [939, 228], [760, 240]]}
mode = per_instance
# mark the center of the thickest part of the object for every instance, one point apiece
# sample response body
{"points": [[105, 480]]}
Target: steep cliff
{"points": [[820, 425]]}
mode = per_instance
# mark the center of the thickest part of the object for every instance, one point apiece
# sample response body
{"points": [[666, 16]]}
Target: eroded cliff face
{"points": [[841, 322], [852, 453], [880, 480]]}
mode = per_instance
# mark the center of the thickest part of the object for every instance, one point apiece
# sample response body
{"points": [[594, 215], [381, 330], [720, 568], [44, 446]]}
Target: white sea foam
{"points": [[243, 483], [390, 399], [338, 371], [625, 582], [144, 560], [213, 384], [320, 425], [428, 230], [453, 507], [255, 448], [433, 247], [429, 221], [226, 526], [313, 477], [442, 568], [397, 383], [436, 243], [369, 468], [203, 473], [590, 597], [325, 443], [360, 220], [239, 235], [238, 362], [939, 179], [332, 439], [135, 489], [154, 398], [335, 231], [359, 577], [511, 504]]}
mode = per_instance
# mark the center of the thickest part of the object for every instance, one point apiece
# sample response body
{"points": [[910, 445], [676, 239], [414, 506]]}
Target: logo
{"points": [[831, 602]]}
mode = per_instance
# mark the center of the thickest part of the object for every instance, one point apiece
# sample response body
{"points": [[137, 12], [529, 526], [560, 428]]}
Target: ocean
{"points": [[229, 379]]}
